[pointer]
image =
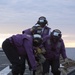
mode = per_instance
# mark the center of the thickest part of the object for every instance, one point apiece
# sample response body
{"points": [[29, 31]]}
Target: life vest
{"points": [[58, 44], [46, 31]]}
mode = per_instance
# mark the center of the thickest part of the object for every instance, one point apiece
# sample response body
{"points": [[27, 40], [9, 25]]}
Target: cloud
{"points": [[70, 35], [20, 12], [53, 7]]}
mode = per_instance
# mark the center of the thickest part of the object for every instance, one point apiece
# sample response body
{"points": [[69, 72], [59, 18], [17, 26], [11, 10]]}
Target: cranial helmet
{"points": [[56, 35], [42, 21], [37, 29], [36, 32], [37, 40]]}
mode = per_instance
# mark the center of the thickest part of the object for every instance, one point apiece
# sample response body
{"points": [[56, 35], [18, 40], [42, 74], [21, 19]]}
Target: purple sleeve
{"points": [[29, 51], [27, 31], [63, 51]]}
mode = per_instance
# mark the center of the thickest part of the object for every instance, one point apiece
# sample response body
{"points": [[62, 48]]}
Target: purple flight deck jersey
{"points": [[23, 43], [59, 49]]}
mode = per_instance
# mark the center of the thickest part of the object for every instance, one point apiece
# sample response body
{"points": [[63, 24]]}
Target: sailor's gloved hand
{"points": [[39, 51], [66, 60]]}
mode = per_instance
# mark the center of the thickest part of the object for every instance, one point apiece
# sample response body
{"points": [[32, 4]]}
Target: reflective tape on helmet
{"points": [[41, 21], [37, 36], [56, 34]]}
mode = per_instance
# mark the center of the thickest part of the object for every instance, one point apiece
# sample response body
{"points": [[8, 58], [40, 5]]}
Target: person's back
{"points": [[18, 48], [19, 41]]}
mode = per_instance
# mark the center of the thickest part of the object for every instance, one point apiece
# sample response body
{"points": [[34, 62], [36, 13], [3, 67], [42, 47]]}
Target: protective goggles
{"points": [[42, 19], [56, 34]]}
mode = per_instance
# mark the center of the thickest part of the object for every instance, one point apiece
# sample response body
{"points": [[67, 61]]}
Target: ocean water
{"points": [[70, 53]]}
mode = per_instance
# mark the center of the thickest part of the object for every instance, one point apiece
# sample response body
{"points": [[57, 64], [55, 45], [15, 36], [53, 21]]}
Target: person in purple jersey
{"points": [[43, 23], [54, 46], [18, 48]]}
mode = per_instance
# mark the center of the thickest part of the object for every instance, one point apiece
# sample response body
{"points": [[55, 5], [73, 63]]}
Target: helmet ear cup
{"points": [[60, 35], [45, 21]]}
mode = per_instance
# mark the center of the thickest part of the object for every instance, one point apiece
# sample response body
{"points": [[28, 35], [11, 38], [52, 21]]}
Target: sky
{"points": [[18, 15]]}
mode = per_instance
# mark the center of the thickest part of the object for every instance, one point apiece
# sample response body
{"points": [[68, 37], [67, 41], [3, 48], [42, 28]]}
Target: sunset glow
{"points": [[72, 44], [67, 42]]}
